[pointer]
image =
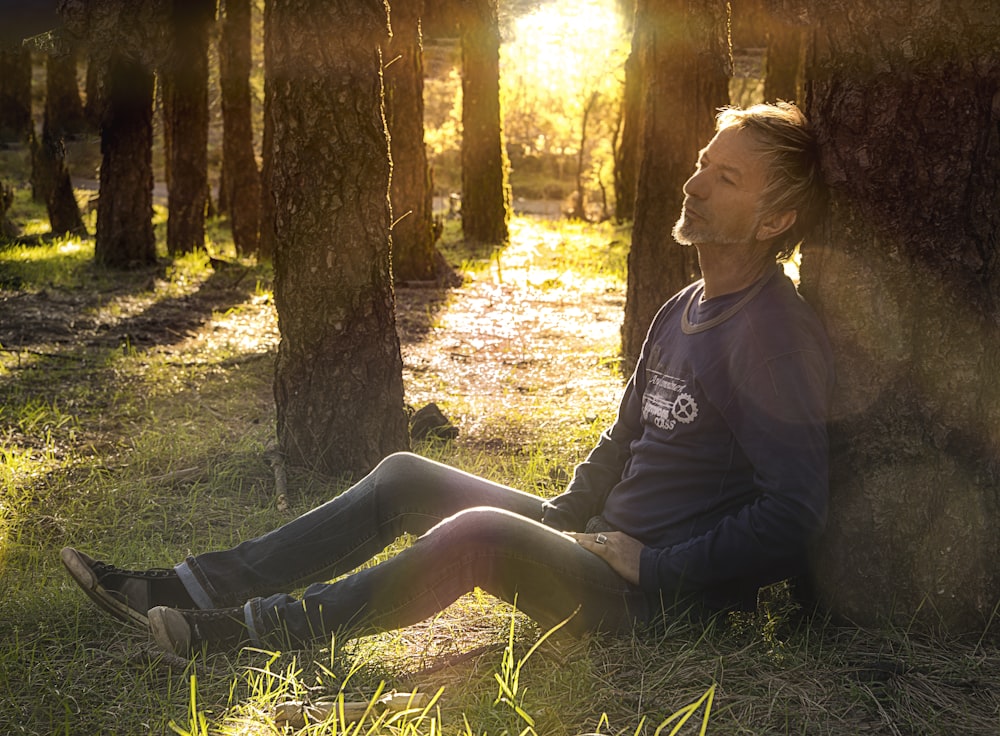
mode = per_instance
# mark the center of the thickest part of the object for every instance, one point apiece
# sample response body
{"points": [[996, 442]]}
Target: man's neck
{"points": [[727, 269]]}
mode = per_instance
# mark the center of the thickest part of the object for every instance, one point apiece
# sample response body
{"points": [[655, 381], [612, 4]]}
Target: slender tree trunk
{"points": [[905, 107], [338, 382], [684, 58], [51, 176], [629, 150], [125, 206], [240, 177], [783, 71], [267, 236], [185, 110], [413, 233], [485, 189], [63, 107], [15, 94]]}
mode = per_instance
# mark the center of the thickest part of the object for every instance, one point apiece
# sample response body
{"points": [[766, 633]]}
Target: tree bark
{"points": [[185, 112], [240, 177], [267, 236], [485, 188], [629, 151], [684, 61], [125, 206], [50, 175], [904, 100], [783, 70], [413, 233], [63, 107], [338, 381], [15, 95]]}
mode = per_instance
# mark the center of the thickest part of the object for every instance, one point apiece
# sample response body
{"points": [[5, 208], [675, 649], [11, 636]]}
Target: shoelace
{"points": [[102, 569]]}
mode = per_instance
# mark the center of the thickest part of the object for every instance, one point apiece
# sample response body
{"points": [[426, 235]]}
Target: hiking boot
{"points": [[183, 632], [125, 594]]}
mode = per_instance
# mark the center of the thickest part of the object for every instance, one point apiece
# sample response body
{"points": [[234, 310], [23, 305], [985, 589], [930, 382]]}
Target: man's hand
{"points": [[618, 549]]}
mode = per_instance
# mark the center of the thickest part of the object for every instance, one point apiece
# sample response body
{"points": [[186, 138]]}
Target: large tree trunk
{"points": [[185, 112], [241, 180], [125, 206], [905, 107], [338, 382], [485, 189], [413, 232], [684, 53], [15, 94]]}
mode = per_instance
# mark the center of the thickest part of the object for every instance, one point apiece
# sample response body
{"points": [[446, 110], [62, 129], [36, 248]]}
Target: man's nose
{"points": [[695, 186]]}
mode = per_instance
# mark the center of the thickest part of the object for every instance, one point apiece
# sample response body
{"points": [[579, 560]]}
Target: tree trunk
{"points": [[783, 70], [63, 107], [267, 236], [684, 53], [185, 112], [411, 194], [240, 178], [125, 206], [15, 95], [485, 189], [905, 108], [629, 151], [338, 381], [51, 175]]}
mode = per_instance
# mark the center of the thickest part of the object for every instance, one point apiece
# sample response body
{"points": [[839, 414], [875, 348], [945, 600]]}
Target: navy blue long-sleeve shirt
{"points": [[718, 459]]}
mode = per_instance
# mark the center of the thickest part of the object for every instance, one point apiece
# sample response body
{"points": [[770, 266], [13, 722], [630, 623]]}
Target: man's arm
{"points": [[594, 478]]}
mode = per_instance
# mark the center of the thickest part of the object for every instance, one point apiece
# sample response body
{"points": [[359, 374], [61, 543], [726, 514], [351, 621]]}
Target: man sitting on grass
{"points": [[710, 483]]}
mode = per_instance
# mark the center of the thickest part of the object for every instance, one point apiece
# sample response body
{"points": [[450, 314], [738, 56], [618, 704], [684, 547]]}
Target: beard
{"points": [[694, 230]]}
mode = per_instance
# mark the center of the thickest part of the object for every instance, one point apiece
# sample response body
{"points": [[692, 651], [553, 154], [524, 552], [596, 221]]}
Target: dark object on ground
{"points": [[430, 421]]}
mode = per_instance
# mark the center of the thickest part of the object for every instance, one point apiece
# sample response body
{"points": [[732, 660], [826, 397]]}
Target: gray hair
{"points": [[794, 181]]}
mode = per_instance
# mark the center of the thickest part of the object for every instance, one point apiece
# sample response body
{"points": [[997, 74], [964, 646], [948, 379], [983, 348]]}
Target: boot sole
{"points": [[83, 576]]}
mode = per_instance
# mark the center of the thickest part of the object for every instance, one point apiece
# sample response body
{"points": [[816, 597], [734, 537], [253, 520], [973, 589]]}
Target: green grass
{"points": [[143, 453]]}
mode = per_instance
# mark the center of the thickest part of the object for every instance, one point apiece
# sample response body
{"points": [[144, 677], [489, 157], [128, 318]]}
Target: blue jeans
{"points": [[472, 533]]}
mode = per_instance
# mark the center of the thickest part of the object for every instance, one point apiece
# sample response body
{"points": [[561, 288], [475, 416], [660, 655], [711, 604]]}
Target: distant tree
{"points": [[338, 381], [15, 94], [240, 177], [64, 113], [7, 228], [267, 237], [185, 114], [629, 151], [125, 206], [413, 233], [50, 176], [684, 68], [124, 40], [783, 69], [906, 277], [485, 188]]}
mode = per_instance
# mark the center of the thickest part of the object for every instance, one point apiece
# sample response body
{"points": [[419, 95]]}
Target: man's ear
{"points": [[775, 224]]}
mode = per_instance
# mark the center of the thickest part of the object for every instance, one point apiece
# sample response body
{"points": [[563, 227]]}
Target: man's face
{"points": [[721, 199]]}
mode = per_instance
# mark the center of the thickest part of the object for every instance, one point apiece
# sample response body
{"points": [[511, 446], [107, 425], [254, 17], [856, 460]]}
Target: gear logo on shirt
{"points": [[685, 408], [665, 402]]}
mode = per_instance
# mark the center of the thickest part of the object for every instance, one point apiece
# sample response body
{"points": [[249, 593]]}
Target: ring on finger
{"points": [[601, 539]]}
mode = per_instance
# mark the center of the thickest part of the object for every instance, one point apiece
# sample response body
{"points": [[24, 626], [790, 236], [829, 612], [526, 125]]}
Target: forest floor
{"points": [[136, 422]]}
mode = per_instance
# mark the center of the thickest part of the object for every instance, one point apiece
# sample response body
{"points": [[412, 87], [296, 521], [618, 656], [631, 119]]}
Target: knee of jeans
{"points": [[399, 465], [484, 525]]}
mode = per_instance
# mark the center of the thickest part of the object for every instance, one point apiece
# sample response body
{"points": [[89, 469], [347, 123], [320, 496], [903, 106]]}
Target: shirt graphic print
{"points": [[667, 402]]}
